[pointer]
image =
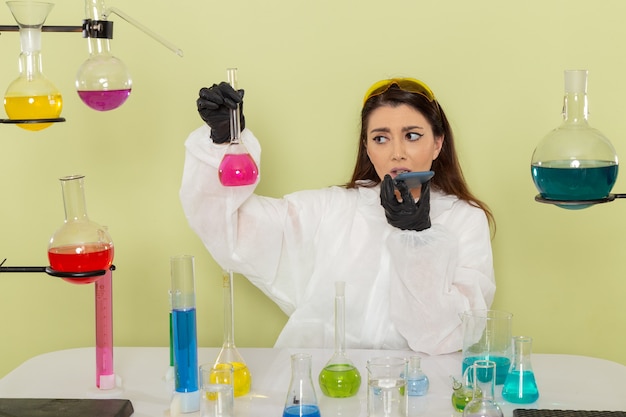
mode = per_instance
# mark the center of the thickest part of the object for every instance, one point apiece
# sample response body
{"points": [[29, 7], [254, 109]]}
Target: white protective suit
{"points": [[404, 289]]}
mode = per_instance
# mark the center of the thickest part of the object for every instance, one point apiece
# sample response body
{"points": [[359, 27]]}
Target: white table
{"points": [[564, 381]]}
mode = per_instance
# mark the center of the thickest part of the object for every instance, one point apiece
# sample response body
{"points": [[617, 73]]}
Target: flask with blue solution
{"points": [[574, 166], [417, 382], [520, 386], [301, 399]]}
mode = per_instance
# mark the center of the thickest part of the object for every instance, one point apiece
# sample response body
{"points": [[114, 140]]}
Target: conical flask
{"points": [[484, 380], [237, 166], [79, 245], [103, 81], [229, 353], [301, 400], [520, 386], [340, 378], [574, 164], [31, 96]]}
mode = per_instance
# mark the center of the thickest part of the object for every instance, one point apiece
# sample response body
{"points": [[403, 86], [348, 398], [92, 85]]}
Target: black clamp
{"points": [[102, 29]]}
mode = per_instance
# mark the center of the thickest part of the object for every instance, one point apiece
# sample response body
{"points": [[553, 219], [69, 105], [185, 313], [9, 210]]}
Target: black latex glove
{"points": [[405, 215], [215, 105]]}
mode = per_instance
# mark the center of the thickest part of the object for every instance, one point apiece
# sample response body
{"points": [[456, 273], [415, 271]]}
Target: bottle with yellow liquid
{"points": [[229, 353], [31, 96]]}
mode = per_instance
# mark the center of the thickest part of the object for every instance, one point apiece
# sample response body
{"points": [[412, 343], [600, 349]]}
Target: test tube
{"points": [[185, 340], [105, 377]]}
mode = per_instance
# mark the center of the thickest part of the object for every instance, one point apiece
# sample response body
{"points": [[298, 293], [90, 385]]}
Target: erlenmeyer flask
{"points": [[483, 403], [229, 353], [520, 386], [574, 163], [103, 82], [340, 378], [79, 245], [237, 166], [31, 96], [301, 399]]}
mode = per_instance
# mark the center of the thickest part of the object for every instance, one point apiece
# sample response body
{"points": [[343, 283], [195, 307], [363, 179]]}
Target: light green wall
{"points": [[496, 67]]}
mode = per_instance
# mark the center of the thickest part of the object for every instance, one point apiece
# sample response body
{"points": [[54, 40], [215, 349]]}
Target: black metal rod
{"points": [[14, 28]]}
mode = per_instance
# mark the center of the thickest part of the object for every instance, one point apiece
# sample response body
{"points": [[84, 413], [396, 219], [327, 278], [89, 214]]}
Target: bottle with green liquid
{"points": [[340, 378]]}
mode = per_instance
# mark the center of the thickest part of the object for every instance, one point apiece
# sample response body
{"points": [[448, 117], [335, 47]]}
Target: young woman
{"points": [[412, 259]]}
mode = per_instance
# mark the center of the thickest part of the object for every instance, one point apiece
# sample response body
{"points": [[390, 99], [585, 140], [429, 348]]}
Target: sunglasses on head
{"points": [[410, 85]]}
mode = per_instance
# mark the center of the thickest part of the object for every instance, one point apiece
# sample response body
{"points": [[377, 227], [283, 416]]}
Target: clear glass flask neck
{"points": [[229, 353], [575, 101], [73, 188]]}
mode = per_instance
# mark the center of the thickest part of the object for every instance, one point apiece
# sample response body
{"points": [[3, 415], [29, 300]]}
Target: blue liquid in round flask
{"points": [[574, 165], [417, 382], [520, 386]]}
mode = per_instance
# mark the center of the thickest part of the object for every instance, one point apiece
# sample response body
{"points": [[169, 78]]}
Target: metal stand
{"points": [[105, 377], [574, 203]]}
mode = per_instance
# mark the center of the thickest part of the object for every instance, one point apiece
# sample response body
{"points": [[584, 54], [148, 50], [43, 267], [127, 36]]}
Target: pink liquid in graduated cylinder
{"points": [[238, 169], [102, 100], [105, 377]]}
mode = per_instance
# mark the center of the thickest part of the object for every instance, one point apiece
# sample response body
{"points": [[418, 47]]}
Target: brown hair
{"points": [[448, 173]]}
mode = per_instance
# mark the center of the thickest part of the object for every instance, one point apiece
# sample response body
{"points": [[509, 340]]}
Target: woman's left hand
{"points": [[405, 214]]}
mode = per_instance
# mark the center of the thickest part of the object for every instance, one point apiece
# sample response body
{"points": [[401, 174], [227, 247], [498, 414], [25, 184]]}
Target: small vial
{"points": [[417, 381]]}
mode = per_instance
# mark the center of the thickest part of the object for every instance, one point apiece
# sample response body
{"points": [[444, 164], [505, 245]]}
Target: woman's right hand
{"points": [[215, 105]]}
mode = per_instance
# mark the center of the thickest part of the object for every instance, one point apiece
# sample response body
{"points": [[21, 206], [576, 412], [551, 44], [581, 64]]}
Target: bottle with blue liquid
{"points": [[574, 166], [520, 386], [417, 382], [301, 399], [184, 335]]}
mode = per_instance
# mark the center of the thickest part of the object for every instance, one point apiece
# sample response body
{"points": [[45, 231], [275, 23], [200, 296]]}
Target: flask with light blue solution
{"points": [[417, 382], [520, 386], [301, 400]]}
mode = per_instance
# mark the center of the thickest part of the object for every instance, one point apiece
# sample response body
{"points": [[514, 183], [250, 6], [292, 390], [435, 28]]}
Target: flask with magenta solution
{"points": [[184, 335]]}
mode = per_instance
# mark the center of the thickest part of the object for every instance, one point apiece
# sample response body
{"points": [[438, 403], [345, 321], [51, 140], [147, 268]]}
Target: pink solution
{"points": [[238, 169], [105, 377], [104, 100]]}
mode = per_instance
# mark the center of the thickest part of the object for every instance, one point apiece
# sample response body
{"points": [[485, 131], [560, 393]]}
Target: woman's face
{"points": [[401, 139]]}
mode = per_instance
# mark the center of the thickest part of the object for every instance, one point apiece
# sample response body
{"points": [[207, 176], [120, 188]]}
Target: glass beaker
{"points": [[487, 335], [79, 245], [386, 387], [301, 400], [520, 386], [483, 403], [31, 96], [237, 166], [340, 378], [103, 81], [574, 162], [229, 353], [185, 338]]}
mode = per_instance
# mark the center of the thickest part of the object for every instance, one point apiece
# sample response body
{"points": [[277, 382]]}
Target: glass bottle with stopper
{"points": [[340, 378], [229, 353], [79, 245], [31, 99], [237, 166], [574, 165]]}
